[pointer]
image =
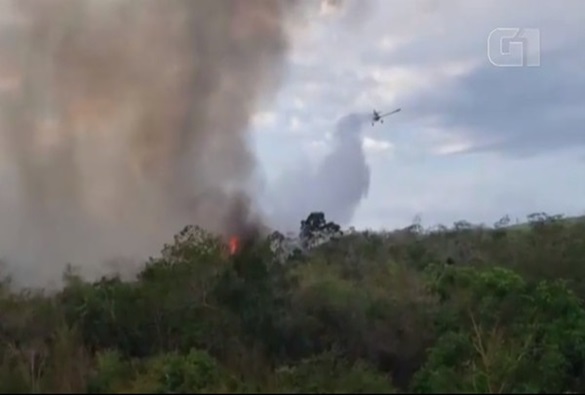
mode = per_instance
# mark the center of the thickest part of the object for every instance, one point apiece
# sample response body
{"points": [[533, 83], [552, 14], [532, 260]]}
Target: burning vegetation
{"points": [[234, 245]]}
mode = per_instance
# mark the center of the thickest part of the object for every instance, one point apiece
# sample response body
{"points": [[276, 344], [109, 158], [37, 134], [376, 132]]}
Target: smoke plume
{"points": [[122, 121], [336, 187]]}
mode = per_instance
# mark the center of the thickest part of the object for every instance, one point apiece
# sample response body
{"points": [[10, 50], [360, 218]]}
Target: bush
{"points": [[330, 373], [502, 334], [194, 372]]}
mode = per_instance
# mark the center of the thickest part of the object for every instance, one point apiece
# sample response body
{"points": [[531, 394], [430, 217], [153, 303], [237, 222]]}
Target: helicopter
{"points": [[377, 117]]}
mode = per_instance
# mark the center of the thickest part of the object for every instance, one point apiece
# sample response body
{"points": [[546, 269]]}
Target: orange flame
{"points": [[234, 245]]}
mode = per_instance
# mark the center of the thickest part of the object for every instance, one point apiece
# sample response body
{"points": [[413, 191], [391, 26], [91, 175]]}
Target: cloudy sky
{"points": [[474, 140]]}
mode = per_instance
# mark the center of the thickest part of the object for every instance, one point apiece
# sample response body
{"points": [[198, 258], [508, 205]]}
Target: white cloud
{"points": [[311, 89], [437, 141], [319, 147], [390, 43], [391, 83], [294, 124], [375, 146], [298, 103], [458, 68], [452, 148]]}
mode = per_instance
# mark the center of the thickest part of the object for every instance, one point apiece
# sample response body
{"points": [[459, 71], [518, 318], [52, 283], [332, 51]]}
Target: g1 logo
{"points": [[514, 47]]}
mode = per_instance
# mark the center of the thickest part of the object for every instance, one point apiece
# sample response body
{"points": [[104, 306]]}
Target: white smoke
{"points": [[336, 187]]}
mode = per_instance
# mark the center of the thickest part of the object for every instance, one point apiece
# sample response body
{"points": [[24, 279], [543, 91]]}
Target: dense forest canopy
{"points": [[451, 309]]}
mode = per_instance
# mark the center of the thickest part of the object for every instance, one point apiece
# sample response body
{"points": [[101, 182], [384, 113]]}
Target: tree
{"points": [[315, 230]]}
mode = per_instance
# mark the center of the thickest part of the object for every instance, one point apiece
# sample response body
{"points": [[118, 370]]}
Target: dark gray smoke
{"points": [[122, 121], [336, 187]]}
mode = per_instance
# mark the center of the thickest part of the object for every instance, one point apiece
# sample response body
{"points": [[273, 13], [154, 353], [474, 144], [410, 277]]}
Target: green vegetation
{"points": [[460, 309]]}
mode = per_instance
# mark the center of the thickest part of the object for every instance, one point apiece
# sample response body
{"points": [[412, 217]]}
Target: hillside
{"points": [[453, 309]]}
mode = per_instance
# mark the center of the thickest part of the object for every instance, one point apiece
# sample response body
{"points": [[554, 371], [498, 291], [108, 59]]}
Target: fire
{"points": [[234, 245]]}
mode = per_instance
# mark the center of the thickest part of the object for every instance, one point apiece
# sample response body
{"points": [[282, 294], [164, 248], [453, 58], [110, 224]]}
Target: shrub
{"points": [[502, 334]]}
